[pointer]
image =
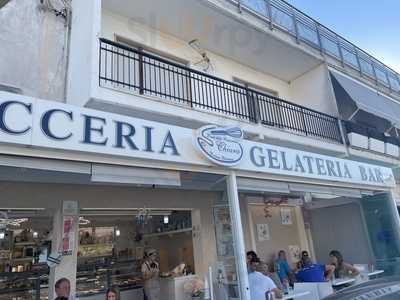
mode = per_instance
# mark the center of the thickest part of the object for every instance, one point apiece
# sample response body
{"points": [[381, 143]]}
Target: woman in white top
{"points": [[150, 271]]}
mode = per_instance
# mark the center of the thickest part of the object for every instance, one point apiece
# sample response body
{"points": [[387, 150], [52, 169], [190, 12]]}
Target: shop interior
{"points": [[319, 223], [112, 245], [111, 249]]}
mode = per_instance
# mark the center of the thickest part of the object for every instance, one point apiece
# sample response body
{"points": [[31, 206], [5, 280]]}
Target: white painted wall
{"points": [[33, 49], [281, 236], [83, 59], [314, 90]]}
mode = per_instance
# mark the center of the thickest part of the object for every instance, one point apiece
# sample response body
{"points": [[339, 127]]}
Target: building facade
{"points": [[200, 128]]}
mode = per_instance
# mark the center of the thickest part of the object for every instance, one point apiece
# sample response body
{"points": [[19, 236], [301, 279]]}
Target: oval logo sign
{"points": [[221, 145]]}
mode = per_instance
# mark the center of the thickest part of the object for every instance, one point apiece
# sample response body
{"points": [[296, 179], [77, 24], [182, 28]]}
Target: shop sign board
{"points": [[47, 124]]}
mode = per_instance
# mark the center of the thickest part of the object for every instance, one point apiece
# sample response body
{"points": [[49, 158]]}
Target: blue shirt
{"points": [[283, 269]]}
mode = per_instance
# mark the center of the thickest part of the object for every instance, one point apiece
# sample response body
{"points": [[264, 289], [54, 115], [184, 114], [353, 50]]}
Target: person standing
{"points": [[150, 272]]}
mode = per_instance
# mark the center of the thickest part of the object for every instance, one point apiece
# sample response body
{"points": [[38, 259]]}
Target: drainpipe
{"points": [[67, 43]]}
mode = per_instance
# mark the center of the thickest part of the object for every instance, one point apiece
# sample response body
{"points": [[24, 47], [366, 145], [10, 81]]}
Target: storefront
{"points": [[102, 188]]}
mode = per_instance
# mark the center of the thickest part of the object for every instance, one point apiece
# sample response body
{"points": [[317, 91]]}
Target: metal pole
{"points": [[296, 29], [319, 38], [141, 73], [37, 288], [269, 10], [238, 238]]}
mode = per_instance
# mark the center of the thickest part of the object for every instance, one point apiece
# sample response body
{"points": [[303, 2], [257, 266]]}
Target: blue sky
{"points": [[372, 25]]}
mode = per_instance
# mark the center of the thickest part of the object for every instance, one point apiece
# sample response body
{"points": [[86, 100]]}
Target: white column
{"points": [[238, 238], [67, 267]]}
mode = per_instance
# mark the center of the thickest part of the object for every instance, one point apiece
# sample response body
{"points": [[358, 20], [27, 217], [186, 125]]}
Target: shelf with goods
{"points": [[94, 278]]}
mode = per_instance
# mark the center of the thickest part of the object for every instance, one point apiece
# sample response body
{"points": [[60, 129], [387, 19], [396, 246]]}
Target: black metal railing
{"points": [[131, 69]]}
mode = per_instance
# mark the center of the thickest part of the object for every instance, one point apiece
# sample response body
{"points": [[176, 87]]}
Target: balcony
{"points": [[278, 14], [133, 71], [368, 138]]}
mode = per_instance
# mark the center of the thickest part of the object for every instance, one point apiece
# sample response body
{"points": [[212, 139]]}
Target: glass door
{"points": [[382, 221]]}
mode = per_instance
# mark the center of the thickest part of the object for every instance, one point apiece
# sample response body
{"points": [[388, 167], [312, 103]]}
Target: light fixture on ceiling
{"points": [[35, 234], [123, 211], [83, 221], [143, 216], [117, 232], [2, 235], [6, 221], [166, 219]]}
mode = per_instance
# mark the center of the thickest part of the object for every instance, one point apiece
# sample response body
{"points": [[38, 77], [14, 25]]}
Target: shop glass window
{"points": [[24, 250]]}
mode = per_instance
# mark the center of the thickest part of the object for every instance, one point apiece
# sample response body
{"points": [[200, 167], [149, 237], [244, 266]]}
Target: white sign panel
{"points": [[47, 124], [263, 232], [286, 216], [222, 146]]}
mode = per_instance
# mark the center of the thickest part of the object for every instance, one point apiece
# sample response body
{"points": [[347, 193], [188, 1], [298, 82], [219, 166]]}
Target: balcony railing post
{"points": [[319, 38], [387, 78], [37, 288], [358, 61], [269, 10], [374, 71], [141, 73], [239, 6], [340, 51], [252, 107], [342, 131], [296, 28], [304, 121]]}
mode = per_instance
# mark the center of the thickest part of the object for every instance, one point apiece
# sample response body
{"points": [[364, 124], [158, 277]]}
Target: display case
{"points": [[32, 285], [95, 277]]}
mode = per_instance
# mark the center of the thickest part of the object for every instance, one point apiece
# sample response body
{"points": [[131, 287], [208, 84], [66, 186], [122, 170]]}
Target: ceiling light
{"points": [[35, 234], [83, 221], [166, 219], [2, 235], [117, 232]]}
